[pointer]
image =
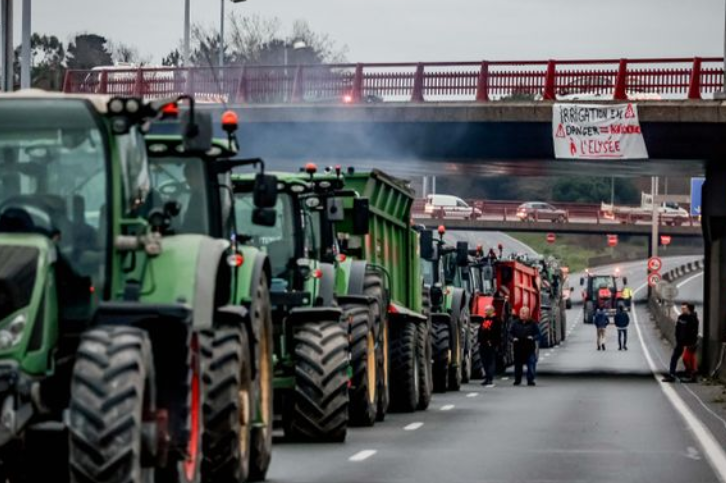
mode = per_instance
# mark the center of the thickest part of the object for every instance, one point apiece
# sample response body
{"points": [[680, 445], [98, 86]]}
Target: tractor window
{"points": [[279, 240], [182, 180], [135, 169], [427, 270], [603, 282], [53, 179]]}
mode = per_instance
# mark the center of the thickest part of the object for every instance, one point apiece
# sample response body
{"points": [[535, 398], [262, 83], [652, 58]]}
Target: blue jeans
{"points": [[531, 361]]}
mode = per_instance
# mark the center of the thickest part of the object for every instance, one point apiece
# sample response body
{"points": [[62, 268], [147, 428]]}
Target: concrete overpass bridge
{"points": [[574, 228]]}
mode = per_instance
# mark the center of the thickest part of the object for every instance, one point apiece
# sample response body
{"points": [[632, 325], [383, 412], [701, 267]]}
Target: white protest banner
{"points": [[597, 131]]}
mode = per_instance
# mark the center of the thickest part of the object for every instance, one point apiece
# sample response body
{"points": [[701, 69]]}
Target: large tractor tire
{"points": [[424, 355], [477, 368], [546, 329], [404, 366], [112, 389], [442, 355], [318, 407], [563, 322], [465, 344], [227, 406], [373, 286], [588, 312], [363, 393], [261, 397]]}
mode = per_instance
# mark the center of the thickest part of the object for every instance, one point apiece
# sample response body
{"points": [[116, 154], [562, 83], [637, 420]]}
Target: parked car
{"points": [[537, 211], [447, 206]]}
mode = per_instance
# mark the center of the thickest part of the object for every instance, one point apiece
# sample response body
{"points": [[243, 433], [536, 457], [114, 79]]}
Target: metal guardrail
{"points": [[479, 81]]}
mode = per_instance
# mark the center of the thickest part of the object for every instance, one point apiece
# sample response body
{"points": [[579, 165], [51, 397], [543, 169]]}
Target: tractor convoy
{"points": [[165, 305]]}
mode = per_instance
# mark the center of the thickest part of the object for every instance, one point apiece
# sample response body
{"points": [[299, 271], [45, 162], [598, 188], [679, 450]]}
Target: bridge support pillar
{"points": [[714, 234]]}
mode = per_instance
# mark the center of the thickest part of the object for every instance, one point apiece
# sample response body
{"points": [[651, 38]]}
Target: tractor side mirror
{"points": [[264, 216], [197, 134], [334, 209], [426, 243], [462, 253], [265, 191], [625, 280], [361, 216], [582, 281]]}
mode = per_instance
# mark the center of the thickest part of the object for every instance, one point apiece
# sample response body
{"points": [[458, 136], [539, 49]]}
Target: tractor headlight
{"points": [[133, 106], [13, 333]]}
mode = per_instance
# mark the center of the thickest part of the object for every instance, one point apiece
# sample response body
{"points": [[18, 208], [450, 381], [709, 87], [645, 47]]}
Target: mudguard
{"points": [[326, 289], [313, 314], [458, 302], [356, 277], [193, 284]]}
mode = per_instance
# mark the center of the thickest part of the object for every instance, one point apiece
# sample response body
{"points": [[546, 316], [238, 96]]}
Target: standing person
{"points": [[622, 321], [601, 324], [490, 339], [525, 335], [686, 336]]}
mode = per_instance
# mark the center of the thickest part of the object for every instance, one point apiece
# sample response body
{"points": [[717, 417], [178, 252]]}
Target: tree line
{"points": [[250, 40]]}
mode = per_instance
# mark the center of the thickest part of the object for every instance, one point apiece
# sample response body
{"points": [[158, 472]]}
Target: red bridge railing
{"points": [[638, 79]]}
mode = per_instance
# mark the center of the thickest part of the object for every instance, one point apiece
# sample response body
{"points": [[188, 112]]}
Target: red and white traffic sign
{"points": [[653, 279], [551, 237], [665, 240], [655, 264], [612, 240]]}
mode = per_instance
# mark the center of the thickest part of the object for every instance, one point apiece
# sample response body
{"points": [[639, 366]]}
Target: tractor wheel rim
{"points": [[245, 419], [191, 461], [371, 367], [265, 375]]}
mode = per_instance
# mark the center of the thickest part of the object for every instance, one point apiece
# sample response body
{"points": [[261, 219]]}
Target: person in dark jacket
{"points": [[601, 324], [525, 334], [622, 321], [686, 336], [490, 339]]}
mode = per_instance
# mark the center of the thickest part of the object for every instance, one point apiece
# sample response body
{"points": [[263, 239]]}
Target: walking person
{"points": [[622, 321], [686, 336], [490, 340], [601, 324], [525, 335]]}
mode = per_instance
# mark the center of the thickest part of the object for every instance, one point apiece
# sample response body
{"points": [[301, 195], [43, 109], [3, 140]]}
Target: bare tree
{"points": [[121, 52]]}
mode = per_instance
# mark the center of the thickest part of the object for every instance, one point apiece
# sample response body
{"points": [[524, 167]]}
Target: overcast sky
{"points": [[423, 30]]}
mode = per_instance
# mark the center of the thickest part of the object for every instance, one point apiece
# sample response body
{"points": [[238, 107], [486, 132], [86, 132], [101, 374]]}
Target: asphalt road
{"points": [[594, 417]]}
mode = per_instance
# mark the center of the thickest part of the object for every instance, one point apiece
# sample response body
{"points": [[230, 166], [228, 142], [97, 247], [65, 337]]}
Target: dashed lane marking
{"points": [[448, 407], [362, 455], [413, 426], [472, 394], [714, 453]]}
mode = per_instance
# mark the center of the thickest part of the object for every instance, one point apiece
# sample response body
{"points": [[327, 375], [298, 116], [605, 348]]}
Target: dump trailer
{"points": [[600, 290], [311, 347], [103, 316], [392, 246], [447, 274], [237, 412], [508, 285]]}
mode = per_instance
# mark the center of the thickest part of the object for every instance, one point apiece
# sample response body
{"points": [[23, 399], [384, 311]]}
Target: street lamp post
{"points": [[296, 45], [188, 32]]}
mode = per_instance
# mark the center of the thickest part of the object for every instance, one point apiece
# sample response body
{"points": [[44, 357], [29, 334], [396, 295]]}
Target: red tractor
{"points": [[507, 285], [600, 291]]}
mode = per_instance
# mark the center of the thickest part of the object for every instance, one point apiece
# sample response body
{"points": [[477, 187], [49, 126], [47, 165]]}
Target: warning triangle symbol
{"points": [[629, 113], [560, 132]]}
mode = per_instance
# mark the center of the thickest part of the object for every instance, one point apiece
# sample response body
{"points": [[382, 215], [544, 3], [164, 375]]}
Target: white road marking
{"points": [[413, 426], [362, 455], [685, 282], [505, 379], [448, 407], [693, 453], [713, 450], [472, 394]]}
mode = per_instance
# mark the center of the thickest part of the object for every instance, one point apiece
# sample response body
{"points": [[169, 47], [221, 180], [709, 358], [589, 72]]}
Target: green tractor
{"points": [[311, 348], [238, 375], [448, 279], [102, 315]]}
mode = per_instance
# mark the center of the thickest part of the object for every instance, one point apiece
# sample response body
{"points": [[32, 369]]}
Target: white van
{"points": [[447, 206]]}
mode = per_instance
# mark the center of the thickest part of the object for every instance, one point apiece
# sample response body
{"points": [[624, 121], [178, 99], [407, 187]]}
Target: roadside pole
{"points": [[654, 223]]}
